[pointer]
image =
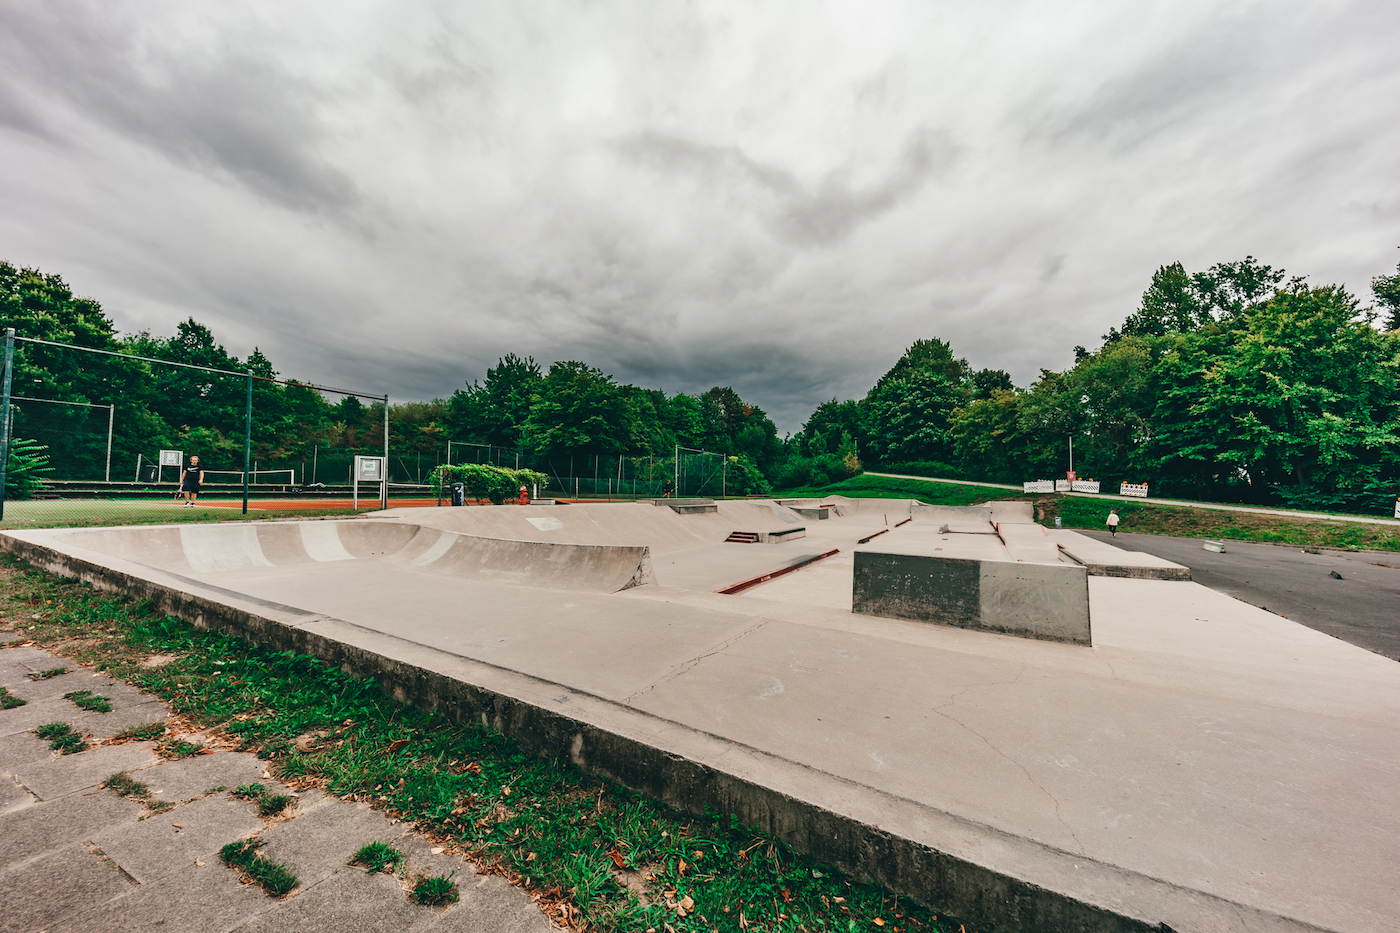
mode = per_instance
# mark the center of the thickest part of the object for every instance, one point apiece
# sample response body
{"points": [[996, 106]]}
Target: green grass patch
{"points": [[45, 675], [377, 857], [179, 748], [145, 732], [1182, 521], [86, 699], [8, 700], [435, 890], [86, 513], [274, 877], [61, 738], [124, 785], [866, 486], [269, 804], [616, 858]]}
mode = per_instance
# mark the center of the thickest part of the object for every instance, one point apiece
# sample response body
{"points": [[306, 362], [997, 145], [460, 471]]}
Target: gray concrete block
{"points": [[36, 713], [489, 902], [34, 830], [175, 781], [1045, 601], [68, 773], [167, 841], [319, 842], [13, 796], [197, 899], [350, 901], [123, 716], [42, 892], [20, 748]]}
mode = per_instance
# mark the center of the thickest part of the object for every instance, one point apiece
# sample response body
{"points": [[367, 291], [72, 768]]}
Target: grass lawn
{"points": [[885, 487], [77, 513], [596, 856]]}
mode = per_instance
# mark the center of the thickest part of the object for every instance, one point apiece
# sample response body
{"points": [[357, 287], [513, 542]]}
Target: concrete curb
{"points": [[929, 855]]}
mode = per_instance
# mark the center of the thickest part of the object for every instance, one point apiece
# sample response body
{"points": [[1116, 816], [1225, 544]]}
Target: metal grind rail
{"points": [[774, 574]]}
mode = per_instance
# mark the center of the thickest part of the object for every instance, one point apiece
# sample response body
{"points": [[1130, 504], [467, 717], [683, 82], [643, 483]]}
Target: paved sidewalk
{"points": [[76, 857]]}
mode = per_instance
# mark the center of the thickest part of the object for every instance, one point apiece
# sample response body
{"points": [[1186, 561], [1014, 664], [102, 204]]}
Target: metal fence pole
{"points": [[5, 416], [384, 490], [247, 440], [111, 416]]}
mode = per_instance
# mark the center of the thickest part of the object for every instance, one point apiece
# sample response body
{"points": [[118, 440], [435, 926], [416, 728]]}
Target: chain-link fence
{"points": [[92, 436], [97, 436]]}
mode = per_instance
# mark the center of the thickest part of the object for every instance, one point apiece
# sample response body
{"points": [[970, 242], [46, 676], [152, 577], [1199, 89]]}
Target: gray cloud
{"points": [[781, 199]]}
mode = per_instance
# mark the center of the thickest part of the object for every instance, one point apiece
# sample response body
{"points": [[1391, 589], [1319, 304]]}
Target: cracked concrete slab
{"points": [[163, 842], [34, 830], [320, 841], [191, 899], [350, 901], [65, 774], [39, 893]]}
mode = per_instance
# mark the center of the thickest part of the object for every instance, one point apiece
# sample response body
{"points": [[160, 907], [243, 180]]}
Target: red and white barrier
{"points": [[1133, 489]]}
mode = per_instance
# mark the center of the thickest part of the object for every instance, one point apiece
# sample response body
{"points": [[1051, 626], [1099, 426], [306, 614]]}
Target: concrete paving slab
{"points": [[192, 899], [56, 687], [490, 903], [350, 901], [320, 841], [34, 902], [66, 774], [182, 779], [20, 747], [13, 796], [21, 719], [34, 830], [164, 842]]}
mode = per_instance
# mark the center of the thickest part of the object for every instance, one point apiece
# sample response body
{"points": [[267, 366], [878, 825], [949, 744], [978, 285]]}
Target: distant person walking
{"points": [[1113, 523], [190, 480]]}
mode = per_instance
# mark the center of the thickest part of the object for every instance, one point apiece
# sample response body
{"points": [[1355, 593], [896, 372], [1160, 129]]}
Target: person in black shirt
{"points": [[190, 479]]}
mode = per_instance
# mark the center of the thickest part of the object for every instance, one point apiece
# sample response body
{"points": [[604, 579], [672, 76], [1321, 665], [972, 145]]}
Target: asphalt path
{"points": [[1363, 607]]}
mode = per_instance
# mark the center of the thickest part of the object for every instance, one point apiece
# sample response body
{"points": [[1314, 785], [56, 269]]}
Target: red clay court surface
{"points": [[297, 505]]}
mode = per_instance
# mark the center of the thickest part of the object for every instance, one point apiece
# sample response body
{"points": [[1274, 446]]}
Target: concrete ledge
{"points": [[1045, 601], [963, 867], [787, 534]]}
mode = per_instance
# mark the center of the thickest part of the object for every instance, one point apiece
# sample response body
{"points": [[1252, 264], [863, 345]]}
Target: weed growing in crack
{"points": [[45, 675], [8, 700], [435, 891], [274, 877], [377, 857], [144, 732], [86, 699], [269, 804], [62, 737]]}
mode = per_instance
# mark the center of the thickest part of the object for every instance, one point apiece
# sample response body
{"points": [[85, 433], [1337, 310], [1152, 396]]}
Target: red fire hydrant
{"points": [[524, 495]]}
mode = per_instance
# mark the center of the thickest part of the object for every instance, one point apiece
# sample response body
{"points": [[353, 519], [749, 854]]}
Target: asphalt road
{"points": [[1363, 607]]}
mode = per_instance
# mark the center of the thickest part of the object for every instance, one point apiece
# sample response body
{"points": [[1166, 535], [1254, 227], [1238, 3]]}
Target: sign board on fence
{"points": [[368, 470], [1133, 489], [1064, 485], [173, 458], [1039, 485]]}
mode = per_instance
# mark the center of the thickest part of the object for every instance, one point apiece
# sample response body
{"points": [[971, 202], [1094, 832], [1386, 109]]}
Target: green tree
{"points": [[1386, 288], [578, 411]]}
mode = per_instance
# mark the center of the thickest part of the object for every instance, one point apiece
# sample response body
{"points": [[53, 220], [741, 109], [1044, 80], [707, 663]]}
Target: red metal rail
{"points": [[755, 581]]}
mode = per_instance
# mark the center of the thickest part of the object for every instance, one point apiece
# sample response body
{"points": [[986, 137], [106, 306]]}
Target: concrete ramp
{"points": [[204, 550], [1102, 559]]}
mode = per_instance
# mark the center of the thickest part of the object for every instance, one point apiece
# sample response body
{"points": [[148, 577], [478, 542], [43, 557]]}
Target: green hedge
{"points": [[484, 481]]}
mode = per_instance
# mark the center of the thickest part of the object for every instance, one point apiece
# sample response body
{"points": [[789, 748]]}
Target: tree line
{"points": [[1236, 383]]}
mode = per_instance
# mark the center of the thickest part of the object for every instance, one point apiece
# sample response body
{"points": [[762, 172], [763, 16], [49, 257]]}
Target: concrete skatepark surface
{"points": [[1203, 764], [1362, 608]]}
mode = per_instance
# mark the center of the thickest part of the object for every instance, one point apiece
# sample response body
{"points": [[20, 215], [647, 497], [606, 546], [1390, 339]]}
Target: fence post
{"points": [[5, 416], [111, 416], [384, 490], [247, 440]]}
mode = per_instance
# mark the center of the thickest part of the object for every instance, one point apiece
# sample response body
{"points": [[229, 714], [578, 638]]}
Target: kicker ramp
{"points": [[200, 550]]}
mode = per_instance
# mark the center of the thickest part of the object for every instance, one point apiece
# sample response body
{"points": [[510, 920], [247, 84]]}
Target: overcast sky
{"points": [[774, 196]]}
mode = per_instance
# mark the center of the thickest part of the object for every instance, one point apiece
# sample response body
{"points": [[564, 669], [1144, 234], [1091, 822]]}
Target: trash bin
{"points": [[149, 472], [459, 494]]}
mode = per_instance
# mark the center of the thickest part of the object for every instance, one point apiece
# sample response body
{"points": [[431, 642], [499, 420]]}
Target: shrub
{"points": [[27, 461], [484, 481]]}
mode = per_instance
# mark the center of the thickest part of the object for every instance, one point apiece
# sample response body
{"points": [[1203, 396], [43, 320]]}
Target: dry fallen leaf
{"points": [[878, 922], [198, 863], [395, 746], [680, 869], [687, 903], [437, 850]]}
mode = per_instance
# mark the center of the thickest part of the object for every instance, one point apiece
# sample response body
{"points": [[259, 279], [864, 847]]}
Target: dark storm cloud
{"points": [[804, 215], [780, 197], [228, 111]]}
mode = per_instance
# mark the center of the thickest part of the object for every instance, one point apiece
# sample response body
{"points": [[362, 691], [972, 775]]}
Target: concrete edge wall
{"points": [[1030, 600], [863, 850]]}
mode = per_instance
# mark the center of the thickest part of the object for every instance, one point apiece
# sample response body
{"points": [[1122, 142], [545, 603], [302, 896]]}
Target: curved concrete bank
{"points": [[1204, 766], [226, 548]]}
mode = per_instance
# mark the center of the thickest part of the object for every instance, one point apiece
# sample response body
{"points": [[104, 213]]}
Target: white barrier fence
{"points": [[1042, 485], [1133, 489], [1061, 485]]}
